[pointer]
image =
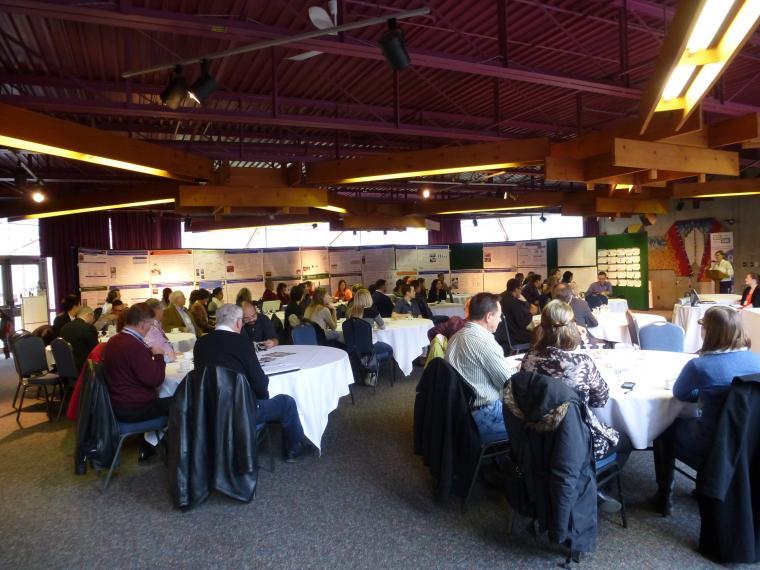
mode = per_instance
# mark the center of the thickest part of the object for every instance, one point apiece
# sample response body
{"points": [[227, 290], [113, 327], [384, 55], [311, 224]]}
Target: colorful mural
{"points": [[685, 247]]}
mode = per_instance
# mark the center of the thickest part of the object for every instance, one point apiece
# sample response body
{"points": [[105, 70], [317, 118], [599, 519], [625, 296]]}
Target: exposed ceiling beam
{"points": [[232, 30], [663, 156], [717, 188]]}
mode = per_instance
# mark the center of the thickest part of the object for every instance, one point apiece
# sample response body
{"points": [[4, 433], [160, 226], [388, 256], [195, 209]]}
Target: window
{"points": [[298, 235], [19, 238], [521, 228]]}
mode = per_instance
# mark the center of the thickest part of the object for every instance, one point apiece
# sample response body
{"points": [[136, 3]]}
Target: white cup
{"points": [[175, 331]]}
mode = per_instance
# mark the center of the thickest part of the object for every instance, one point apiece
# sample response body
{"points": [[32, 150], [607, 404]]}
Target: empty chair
{"points": [[65, 367], [304, 334], [633, 328], [32, 367], [666, 337], [503, 338], [366, 356]]}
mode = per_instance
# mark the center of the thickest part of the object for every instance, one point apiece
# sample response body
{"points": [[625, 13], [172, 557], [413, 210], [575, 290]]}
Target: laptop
{"points": [[695, 300], [270, 307]]}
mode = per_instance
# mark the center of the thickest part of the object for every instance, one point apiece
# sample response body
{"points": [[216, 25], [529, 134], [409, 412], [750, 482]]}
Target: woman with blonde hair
{"points": [[363, 308], [321, 312], [706, 380]]}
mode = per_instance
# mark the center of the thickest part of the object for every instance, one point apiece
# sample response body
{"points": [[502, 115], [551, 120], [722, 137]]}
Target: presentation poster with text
{"points": [[128, 268], [406, 257], [531, 254], [314, 261], [282, 262], [243, 264], [171, 265], [209, 264], [433, 257], [499, 256], [93, 268], [345, 260], [467, 281]]}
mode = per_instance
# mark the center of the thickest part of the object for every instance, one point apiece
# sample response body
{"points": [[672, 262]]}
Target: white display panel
{"points": [[209, 264], [232, 288], [93, 297], [314, 261], [93, 268], [467, 281], [433, 257], [380, 258], [495, 281], [499, 256], [406, 258], [186, 287], [583, 276], [243, 264], [345, 260], [132, 294], [171, 265], [282, 262], [576, 252], [531, 254], [128, 268], [369, 277]]}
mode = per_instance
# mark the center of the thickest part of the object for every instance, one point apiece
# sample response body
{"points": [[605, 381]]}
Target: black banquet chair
{"points": [[32, 368], [65, 367]]}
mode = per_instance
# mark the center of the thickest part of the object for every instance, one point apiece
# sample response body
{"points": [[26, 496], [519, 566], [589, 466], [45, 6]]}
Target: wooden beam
{"points": [[469, 158], [608, 206], [662, 156], [755, 143], [35, 132], [603, 169], [206, 224], [565, 169], [717, 188], [525, 201], [735, 130], [245, 196], [71, 202], [383, 222]]}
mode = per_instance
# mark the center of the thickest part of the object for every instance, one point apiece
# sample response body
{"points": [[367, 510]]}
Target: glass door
{"points": [[20, 277]]}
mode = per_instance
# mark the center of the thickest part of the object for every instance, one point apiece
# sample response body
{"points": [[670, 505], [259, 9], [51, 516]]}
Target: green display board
{"points": [[466, 256], [637, 297]]}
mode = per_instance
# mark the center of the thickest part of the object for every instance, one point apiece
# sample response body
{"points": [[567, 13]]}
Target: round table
{"points": [[721, 298], [447, 309], [687, 317], [751, 320], [182, 341], [617, 305], [322, 377], [613, 326], [646, 411]]}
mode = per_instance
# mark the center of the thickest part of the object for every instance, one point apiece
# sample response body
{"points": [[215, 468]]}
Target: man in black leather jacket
{"points": [[228, 348]]}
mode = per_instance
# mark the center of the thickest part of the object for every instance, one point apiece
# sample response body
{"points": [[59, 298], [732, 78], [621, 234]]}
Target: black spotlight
{"points": [[204, 86], [20, 177], [695, 204], [679, 205], [314, 226], [475, 222], [394, 47], [542, 218], [176, 89]]}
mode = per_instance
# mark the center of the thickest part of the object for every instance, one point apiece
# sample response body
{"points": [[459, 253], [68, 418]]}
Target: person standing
{"points": [[723, 265]]}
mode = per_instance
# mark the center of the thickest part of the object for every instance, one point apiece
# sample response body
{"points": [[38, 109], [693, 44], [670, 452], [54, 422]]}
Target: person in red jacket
{"points": [[134, 372]]}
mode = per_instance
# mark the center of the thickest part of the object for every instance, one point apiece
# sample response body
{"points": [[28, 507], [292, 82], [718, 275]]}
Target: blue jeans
{"points": [[383, 350], [490, 422], [282, 409]]}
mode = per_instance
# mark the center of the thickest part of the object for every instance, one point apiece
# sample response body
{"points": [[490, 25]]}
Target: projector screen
{"points": [[576, 252]]}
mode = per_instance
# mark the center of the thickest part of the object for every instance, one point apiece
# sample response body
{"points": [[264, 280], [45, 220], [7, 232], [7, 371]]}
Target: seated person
{"points": [[258, 327], [81, 335], [601, 286], [228, 348], [447, 328], [176, 316], [707, 380], [243, 295], [46, 333], [531, 291], [110, 319], [382, 302], [517, 314], [321, 312], [198, 311], [283, 294], [476, 355], [397, 288], [134, 372], [751, 294], [269, 293], [70, 307], [112, 296], [419, 296], [344, 293], [567, 277], [437, 292], [584, 317], [294, 311], [156, 337], [442, 280], [216, 301], [363, 308], [406, 305]]}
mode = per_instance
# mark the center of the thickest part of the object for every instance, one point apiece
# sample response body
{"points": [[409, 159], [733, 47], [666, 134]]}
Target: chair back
{"points": [[666, 337], [279, 328], [64, 359], [633, 328], [304, 334], [29, 352], [357, 334]]}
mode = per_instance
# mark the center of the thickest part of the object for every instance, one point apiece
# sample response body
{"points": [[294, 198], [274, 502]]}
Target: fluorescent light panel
{"points": [[330, 208], [98, 208], [411, 174], [74, 155], [493, 209]]}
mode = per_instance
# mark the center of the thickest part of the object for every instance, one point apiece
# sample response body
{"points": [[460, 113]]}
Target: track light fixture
{"points": [[394, 46], [475, 222], [176, 89], [20, 177], [314, 226], [679, 205], [425, 193], [542, 218], [204, 86], [385, 232]]}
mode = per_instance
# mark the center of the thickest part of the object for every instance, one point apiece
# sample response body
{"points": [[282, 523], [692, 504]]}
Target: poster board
{"points": [[233, 286], [433, 258], [209, 264], [583, 276], [380, 258], [531, 254], [467, 281], [722, 241], [576, 252], [315, 261], [171, 265], [406, 258], [345, 260], [186, 287], [623, 254], [500, 256], [128, 267], [243, 264], [34, 311], [93, 268], [495, 280], [131, 294], [282, 262]]}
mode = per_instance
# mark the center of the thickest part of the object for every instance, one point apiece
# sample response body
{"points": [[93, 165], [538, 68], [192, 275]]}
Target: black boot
{"points": [[664, 460]]}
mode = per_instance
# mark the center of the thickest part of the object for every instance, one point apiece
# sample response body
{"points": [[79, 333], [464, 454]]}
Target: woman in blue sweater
{"points": [[705, 380]]}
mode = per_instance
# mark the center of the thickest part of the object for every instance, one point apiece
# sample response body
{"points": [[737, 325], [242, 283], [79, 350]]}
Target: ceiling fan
{"points": [[322, 21]]}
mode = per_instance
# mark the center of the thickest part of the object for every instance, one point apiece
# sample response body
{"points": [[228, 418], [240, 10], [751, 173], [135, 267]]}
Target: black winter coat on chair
{"points": [[97, 433], [728, 481], [212, 437]]}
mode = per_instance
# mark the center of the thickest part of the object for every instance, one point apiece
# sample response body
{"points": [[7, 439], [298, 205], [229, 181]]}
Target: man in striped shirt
{"points": [[475, 354]]}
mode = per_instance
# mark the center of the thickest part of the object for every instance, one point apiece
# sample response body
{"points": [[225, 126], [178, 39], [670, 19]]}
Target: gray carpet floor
{"points": [[366, 503]]}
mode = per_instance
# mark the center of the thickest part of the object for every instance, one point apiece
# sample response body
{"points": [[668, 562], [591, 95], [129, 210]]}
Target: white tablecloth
{"points": [[617, 305], [614, 326], [461, 297], [647, 410], [751, 320], [721, 298], [182, 342], [687, 317], [324, 376], [448, 309]]}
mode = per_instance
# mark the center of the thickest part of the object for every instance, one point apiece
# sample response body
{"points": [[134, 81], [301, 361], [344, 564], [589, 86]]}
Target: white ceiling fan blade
{"points": [[321, 19], [304, 55]]}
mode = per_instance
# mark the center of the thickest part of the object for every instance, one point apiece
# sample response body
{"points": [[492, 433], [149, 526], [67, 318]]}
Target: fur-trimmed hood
{"points": [[540, 401]]}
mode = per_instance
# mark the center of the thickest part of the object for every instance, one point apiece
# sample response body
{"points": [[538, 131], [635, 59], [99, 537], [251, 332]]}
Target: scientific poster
{"points": [[156, 289], [93, 297], [531, 254], [209, 264], [406, 257], [282, 262], [345, 260], [256, 286], [93, 268], [369, 277], [171, 265], [495, 280], [467, 281], [432, 257], [499, 256], [243, 264], [314, 261], [128, 267], [131, 294], [378, 258]]}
